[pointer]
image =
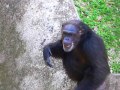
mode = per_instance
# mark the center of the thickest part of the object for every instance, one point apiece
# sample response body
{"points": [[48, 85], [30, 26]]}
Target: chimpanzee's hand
{"points": [[46, 56]]}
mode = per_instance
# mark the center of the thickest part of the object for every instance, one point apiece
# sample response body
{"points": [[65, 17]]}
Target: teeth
{"points": [[68, 45]]}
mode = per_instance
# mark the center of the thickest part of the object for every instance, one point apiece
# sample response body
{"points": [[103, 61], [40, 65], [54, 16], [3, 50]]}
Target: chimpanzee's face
{"points": [[70, 37]]}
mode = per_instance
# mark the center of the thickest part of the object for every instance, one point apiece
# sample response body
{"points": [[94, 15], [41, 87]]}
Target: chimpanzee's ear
{"points": [[64, 24], [80, 32]]}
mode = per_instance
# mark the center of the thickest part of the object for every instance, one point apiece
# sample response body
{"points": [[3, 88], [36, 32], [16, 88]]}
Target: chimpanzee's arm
{"points": [[99, 69], [53, 49]]}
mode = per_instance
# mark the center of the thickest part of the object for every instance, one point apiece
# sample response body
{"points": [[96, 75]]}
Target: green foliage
{"points": [[115, 67], [103, 16]]}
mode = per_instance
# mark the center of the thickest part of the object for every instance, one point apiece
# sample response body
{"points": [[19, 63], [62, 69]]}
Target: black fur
{"points": [[87, 64]]}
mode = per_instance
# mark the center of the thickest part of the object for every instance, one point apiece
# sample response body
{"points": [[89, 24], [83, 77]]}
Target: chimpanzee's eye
{"points": [[68, 34]]}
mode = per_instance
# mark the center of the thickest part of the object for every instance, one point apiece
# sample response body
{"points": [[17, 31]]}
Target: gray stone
{"points": [[25, 27]]}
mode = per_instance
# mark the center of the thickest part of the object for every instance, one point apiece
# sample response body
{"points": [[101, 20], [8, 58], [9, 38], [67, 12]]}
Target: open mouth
{"points": [[67, 47]]}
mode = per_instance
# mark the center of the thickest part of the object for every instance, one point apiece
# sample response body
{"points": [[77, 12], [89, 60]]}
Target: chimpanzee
{"points": [[83, 54]]}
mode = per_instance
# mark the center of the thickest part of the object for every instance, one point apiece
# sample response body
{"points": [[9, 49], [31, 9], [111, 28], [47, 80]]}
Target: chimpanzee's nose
{"points": [[67, 40]]}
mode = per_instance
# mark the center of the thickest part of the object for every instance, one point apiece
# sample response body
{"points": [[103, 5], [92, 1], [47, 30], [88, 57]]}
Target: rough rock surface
{"points": [[25, 27]]}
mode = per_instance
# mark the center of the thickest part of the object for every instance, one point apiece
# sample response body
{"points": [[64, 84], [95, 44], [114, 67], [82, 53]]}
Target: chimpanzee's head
{"points": [[71, 34]]}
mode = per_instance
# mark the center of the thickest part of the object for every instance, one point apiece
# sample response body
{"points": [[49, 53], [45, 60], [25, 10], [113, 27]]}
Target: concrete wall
{"points": [[113, 82], [25, 27]]}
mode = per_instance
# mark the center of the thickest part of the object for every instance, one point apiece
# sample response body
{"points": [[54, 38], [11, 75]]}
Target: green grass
{"points": [[115, 67], [103, 16]]}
